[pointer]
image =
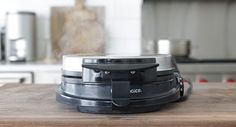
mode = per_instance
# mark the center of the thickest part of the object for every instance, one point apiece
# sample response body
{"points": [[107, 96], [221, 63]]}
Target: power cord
{"points": [[188, 91]]}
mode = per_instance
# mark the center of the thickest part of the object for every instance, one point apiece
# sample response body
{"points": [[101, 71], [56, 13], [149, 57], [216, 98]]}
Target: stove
{"points": [[119, 84], [207, 70], [194, 60]]}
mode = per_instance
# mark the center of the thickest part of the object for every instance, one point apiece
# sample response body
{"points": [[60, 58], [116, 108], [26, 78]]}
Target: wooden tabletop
{"points": [[35, 106]]}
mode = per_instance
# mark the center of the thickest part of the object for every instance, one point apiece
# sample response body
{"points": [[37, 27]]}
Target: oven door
{"points": [[16, 77]]}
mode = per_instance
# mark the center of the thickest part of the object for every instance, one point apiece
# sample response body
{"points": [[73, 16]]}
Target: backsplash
{"points": [[210, 25], [122, 24], [122, 21], [206, 24]]}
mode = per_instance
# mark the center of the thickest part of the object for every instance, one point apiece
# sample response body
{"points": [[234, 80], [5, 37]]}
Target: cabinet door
{"points": [[202, 78], [229, 78], [16, 77], [48, 77], [189, 76]]}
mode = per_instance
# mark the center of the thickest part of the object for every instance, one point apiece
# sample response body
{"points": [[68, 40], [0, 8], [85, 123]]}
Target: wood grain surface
{"points": [[210, 105], [58, 21]]}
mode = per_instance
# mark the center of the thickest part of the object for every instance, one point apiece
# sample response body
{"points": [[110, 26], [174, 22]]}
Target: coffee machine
{"points": [[2, 42], [20, 36]]}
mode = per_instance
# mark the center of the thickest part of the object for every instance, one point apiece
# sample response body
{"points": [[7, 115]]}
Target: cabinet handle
{"points": [[12, 80], [230, 80], [203, 80]]}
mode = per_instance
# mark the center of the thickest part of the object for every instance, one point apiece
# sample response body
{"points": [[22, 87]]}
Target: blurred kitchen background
{"points": [[35, 34]]}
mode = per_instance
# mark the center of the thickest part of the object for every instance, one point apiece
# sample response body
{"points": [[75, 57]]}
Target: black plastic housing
{"points": [[120, 86]]}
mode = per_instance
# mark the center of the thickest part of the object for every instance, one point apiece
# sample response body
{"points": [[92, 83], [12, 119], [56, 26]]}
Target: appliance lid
{"points": [[74, 62]]}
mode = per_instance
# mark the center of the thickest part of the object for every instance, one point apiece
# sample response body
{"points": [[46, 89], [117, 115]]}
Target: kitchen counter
{"points": [[211, 72], [44, 73], [29, 66], [183, 67], [211, 104], [207, 67]]}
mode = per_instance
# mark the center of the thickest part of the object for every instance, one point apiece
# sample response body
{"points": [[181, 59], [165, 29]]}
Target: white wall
{"points": [[122, 21], [123, 24]]}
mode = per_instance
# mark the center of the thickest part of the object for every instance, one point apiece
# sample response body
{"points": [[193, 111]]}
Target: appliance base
{"points": [[106, 107], [113, 110]]}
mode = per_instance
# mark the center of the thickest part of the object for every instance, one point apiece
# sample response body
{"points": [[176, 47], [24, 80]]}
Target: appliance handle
{"points": [[120, 93], [120, 67]]}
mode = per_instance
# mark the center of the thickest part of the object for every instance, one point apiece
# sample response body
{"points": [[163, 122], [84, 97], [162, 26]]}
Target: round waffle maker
{"points": [[119, 84]]}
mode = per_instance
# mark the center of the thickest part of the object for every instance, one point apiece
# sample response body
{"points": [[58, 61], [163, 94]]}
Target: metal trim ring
{"points": [[74, 62]]}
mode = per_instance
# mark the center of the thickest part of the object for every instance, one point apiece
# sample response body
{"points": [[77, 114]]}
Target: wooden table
{"points": [[210, 105]]}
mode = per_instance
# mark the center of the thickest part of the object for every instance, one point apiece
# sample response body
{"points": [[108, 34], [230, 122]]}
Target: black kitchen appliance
{"points": [[119, 84]]}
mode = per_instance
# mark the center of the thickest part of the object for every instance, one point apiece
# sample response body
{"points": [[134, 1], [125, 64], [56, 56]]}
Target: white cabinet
{"points": [[30, 73], [47, 77], [202, 78], [16, 77], [189, 76], [209, 72]]}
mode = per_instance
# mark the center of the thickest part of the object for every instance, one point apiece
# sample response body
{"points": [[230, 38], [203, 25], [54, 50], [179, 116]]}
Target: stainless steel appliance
{"points": [[177, 48], [2, 43], [120, 84], [20, 36]]}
